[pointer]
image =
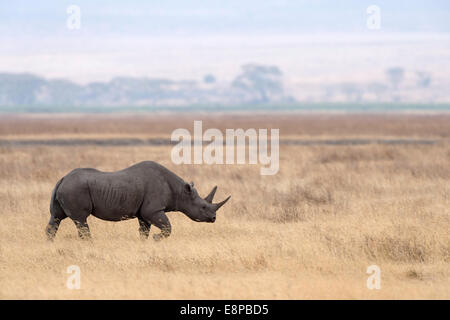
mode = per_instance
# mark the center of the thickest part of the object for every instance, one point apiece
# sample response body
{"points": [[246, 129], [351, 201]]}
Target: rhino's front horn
{"points": [[218, 205], [210, 196]]}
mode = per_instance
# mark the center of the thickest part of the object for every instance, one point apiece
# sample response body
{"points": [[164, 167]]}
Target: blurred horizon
{"points": [[323, 51]]}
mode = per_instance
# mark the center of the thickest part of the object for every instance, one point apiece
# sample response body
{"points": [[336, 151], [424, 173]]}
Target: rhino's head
{"points": [[196, 208]]}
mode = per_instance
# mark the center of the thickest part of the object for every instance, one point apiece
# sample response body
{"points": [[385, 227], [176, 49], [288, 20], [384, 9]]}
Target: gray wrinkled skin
{"points": [[145, 191]]}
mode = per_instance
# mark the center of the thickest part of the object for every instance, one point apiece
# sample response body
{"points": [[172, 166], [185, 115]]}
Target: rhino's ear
{"points": [[188, 188]]}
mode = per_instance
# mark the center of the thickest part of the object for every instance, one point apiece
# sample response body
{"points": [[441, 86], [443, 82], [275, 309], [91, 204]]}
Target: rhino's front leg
{"points": [[161, 221], [144, 228]]}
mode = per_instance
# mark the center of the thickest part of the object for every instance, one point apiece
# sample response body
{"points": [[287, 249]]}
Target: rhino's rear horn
{"points": [[210, 196], [218, 205]]}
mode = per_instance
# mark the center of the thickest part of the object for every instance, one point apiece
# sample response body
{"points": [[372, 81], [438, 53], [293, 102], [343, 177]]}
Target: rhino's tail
{"points": [[56, 214], [56, 210]]}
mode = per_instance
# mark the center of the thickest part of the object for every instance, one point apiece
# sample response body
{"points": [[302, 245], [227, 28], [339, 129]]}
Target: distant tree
{"points": [[395, 76], [352, 91], [20, 89], [423, 79], [378, 89], [209, 78], [63, 92], [260, 81]]}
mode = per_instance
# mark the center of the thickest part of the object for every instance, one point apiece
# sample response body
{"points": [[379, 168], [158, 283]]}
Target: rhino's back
{"points": [[110, 196], [115, 195]]}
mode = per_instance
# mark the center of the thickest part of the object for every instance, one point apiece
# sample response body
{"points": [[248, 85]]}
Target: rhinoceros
{"points": [[145, 191]]}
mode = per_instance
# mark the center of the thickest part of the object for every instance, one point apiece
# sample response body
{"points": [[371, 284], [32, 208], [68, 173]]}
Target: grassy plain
{"points": [[308, 232]]}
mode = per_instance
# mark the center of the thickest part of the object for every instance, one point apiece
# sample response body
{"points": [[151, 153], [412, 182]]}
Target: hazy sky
{"points": [[310, 40], [170, 17]]}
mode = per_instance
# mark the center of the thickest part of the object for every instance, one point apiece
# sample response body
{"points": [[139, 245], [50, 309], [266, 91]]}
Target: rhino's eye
{"points": [[203, 207]]}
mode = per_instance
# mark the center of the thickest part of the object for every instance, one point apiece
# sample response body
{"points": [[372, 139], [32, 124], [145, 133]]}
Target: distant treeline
{"points": [[256, 86]]}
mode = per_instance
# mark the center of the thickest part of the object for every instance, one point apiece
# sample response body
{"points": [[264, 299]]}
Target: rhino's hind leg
{"points": [[78, 206], [144, 229], [83, 229], [57, 214], [52, 228]]}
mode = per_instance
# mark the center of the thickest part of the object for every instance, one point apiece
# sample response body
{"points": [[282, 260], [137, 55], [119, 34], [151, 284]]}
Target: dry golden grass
{"points": [[310, 231], [334, 125]]}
